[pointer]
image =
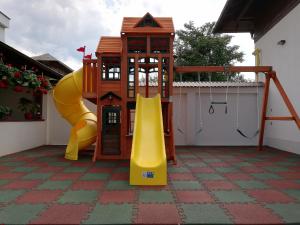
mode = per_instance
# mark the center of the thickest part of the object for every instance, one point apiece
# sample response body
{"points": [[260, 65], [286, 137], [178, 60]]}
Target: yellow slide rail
{"points": [[148, 164], [67, 96]]}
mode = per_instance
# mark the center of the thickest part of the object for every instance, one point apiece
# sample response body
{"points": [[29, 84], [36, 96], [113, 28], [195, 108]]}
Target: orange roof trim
{"points": [[109, 45]]}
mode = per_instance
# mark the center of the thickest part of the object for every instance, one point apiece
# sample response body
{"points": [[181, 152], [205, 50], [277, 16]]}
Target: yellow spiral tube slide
{"points": [[67, 96]]}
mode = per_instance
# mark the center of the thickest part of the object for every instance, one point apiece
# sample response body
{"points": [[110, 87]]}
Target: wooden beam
{"points": [[279, 118], [286, 99], [264, 112], [190, 69]]}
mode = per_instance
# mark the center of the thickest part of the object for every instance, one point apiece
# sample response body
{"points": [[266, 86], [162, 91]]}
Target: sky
{"points": [[59, 27]]}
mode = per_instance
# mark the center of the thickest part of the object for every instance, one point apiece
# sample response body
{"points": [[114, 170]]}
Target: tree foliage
{"points": [[200, 46]]}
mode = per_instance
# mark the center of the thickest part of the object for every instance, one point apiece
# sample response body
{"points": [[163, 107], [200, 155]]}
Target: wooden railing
{"points": [[89, 87]]}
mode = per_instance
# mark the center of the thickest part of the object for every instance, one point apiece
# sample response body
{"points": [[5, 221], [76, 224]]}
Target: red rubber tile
{"points": [[219, 164], [37, 164], [81, 164], [219, 185], [63, 214], [88, 185], [120, 176], [252, 169], [11, 175], [124, 164], [252, 214], [238, 176], [50, 169], [157, 214], [271, 196], [181, 176], [22, 184], [283, 184], [261, 164], [66, 176], [41, 196], [4, 168], [202, 170], [100, 170], [290, 175], [194, 197], [117, 196]]}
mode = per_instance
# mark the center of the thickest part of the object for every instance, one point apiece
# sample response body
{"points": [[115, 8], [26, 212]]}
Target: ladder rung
{"points": [[218, 103]]}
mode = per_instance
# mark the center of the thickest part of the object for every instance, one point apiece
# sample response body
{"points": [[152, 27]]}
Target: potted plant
{"points": [[25, 105], [5, 112]]}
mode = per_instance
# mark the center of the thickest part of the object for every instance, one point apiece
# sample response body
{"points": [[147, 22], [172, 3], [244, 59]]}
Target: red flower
{"points": [[45, 83], [17, 74], [44, 91], [3, 84], [18, 88], [40, 78]]}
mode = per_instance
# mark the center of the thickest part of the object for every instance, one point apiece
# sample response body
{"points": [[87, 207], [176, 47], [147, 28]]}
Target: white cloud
{"points": [[60, 27]]}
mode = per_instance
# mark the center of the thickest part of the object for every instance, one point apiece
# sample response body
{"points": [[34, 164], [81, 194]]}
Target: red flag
{"points": [[81, 49], [88, 56]]}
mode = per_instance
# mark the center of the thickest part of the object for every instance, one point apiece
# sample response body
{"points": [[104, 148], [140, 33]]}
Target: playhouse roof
{"points": [[132, 25], [109, 45]]}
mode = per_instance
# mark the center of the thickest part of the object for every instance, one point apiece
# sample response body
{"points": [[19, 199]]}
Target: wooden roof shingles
{"points": [[109, 45]]}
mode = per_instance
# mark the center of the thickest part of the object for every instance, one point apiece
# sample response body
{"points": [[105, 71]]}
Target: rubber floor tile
{"points": [[11, 175], [20, 214], [63, 214], [117, 197], [270, 196], [232, 196], [111, 214], [55, 184], [37, 176], [119, 185], [251, 184], [252, 214], [283, 184], [237, 176], [155, 197], [22, 184], [181, 176], [42, 196], [204, 214], [81, 196], [95, 176], [75, 170], [289, 212], [209, 176], [88, 185], [194, 197], [202, 170], [219, 185], [120, 176], [157, 214], [266, 176], [9, 195], [66, 176], [293, 193]]}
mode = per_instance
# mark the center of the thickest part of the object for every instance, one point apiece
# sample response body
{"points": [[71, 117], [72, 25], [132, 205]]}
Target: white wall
{"points": [[218, 128], [4, 23], [285, 61]]}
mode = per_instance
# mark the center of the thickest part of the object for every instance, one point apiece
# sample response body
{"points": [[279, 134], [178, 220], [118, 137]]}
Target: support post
{"points": [[264, 110]]}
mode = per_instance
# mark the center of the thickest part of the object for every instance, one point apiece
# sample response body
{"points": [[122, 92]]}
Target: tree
{"points": [[200, 46]]}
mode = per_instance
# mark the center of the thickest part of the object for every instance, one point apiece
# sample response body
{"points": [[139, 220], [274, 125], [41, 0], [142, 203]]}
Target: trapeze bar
{"points": [[218, 103], [190, 69]]}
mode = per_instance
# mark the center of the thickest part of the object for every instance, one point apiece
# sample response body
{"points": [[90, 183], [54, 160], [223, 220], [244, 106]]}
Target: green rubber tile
{"points": [[226, 169], [242, 164], [289, 212], [178, 170], [106, 164], [118, 185], [196, 164], [209, 176], [211, 160], [186, 185], [254, 160], [37, 176], [55, 185], [81, 196], [232, 196], [187, 156], [286, 163], [24, 169], [62, 164], [20, 214], [293, 193], [111, 214], [9, 195], [75, 169], [276, 168], [3, 182], [266, 176], [13, 164], [47, 159], [204, 214], [251, 184], [155, 197], [121, 169], [95, 176]]}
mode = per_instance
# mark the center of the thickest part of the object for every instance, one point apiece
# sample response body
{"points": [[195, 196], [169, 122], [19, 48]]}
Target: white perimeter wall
{"points": [[285, 61], [218, 128]]}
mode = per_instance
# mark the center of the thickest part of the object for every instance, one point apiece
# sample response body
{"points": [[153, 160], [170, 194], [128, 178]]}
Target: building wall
{"points": [[218, 129], [285, 61]]}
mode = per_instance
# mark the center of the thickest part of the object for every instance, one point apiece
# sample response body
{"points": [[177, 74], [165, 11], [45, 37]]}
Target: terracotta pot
{"points": [[28, 116]]}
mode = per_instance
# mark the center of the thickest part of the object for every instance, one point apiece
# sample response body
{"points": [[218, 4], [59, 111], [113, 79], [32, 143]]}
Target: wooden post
{"points": [[286, 99], [136, 75], [159, 77], [264, 111]]}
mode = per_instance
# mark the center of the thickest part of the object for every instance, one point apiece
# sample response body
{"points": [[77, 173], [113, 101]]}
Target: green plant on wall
{"points": [[5, 112], [30, 109]]}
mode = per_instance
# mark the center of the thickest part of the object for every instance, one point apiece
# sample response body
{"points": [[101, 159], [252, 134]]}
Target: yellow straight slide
{"points": [[67, 96], [148, 163]]}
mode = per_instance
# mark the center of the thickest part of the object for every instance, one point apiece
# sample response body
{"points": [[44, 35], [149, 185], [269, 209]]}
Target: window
{"points": [[160, 44], [131, 78], [112, 118], [165, 78], [111, 68], [137, 44]]}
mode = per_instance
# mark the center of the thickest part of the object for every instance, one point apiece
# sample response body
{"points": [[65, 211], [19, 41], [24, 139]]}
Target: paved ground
{"points": [[209, 185]]}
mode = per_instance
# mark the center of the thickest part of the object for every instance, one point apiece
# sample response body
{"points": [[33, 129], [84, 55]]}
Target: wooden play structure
{"points": [[141, 61]]}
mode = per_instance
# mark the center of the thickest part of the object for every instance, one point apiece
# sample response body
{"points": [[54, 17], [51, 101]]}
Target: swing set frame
{"points": [[269, 74]]}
